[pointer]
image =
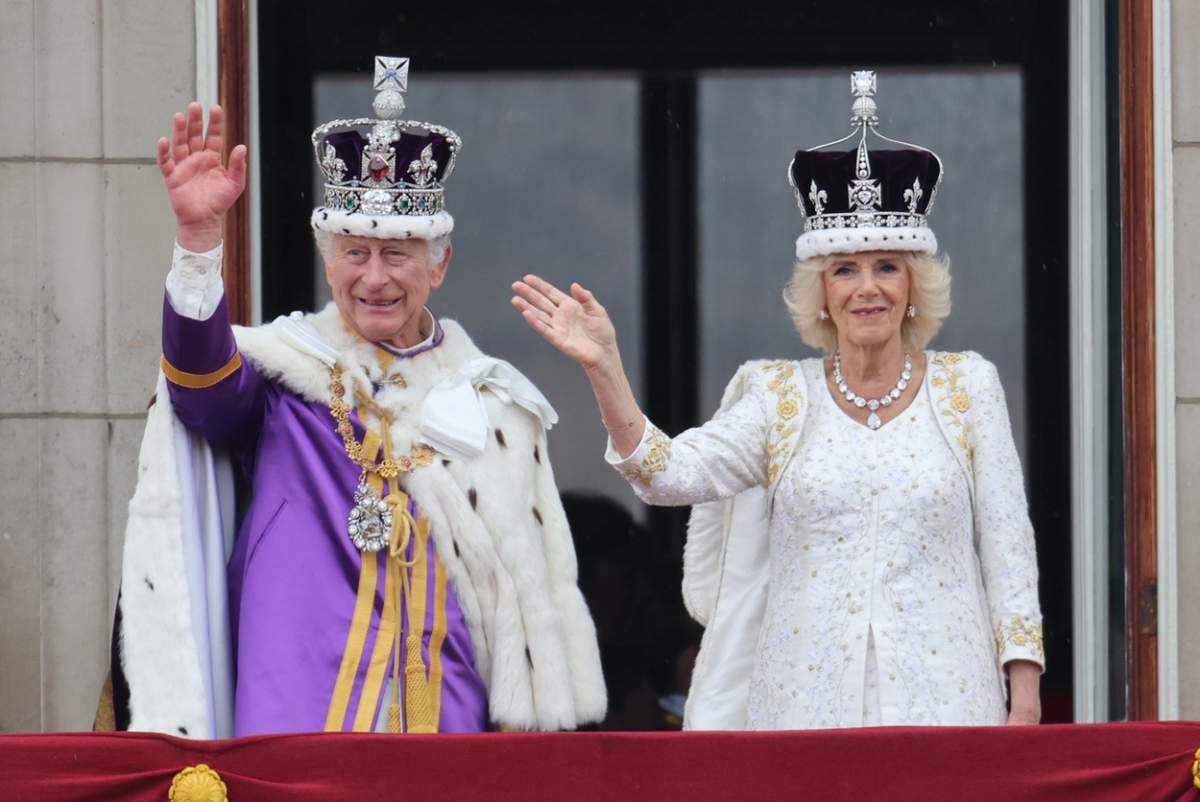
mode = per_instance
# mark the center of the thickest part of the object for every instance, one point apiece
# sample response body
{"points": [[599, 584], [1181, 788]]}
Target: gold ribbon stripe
{"points": [[364, 605], [355, 639], [200, 381], [437, 638], [368, 700], [418, 706]]}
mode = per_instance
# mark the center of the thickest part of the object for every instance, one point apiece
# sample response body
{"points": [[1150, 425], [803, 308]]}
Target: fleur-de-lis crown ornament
{"points": [[385, 176], [872, 196]]}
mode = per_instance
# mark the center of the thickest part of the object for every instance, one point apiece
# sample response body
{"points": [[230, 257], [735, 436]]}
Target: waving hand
{"points": [[575, 324], [200, 186]]}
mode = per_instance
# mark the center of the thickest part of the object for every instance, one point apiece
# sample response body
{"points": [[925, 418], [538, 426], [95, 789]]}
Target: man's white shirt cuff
{"points": [[194, 285]]}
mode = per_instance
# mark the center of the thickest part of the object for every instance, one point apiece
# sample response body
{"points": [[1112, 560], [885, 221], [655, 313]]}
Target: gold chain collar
{"points": [[419, 456]]}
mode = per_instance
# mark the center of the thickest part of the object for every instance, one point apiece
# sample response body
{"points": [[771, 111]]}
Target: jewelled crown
{"points": [[865, 199], [385, 177]]}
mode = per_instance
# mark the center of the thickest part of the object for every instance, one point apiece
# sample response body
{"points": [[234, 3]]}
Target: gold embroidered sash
{"points": [[952, 403], [406, 588], [785, 427]]}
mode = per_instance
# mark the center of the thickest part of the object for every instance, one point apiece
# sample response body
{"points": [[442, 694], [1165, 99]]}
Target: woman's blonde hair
{"points": [[929, 292]]}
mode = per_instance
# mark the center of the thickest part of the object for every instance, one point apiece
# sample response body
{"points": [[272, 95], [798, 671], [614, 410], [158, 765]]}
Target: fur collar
{"points": [[279, 356]]}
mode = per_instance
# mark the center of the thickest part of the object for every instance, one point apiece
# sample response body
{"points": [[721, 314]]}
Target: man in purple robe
{"points": [[404, 563]]}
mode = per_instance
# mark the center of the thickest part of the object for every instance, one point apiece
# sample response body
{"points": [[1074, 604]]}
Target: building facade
{"points": [[88, 88]]}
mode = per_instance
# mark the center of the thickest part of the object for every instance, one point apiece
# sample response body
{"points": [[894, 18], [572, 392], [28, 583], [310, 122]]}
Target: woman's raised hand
{"points": [[575, 324], [201, 188]]}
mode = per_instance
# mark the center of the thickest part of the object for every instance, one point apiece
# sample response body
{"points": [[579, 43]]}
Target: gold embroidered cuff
{"points": [[1020, 639], [199, 381], [657, 451]]}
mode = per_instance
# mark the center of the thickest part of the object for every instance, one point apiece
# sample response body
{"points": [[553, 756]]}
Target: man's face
{"points": [[380, 286]]}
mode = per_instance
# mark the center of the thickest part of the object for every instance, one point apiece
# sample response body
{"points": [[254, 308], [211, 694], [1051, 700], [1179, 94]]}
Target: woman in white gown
{"points": [[900, 576]]}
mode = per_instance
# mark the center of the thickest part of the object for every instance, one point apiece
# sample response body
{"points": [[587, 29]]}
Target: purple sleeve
{"points": [[228, 412]]}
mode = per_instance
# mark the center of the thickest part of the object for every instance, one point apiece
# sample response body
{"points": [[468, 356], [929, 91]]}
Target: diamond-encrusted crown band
{"points": [[820, 222]]}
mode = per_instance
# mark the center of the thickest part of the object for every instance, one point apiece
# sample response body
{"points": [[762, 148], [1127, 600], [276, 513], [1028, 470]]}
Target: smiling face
{"points": [[380, 286], [866, 295]]}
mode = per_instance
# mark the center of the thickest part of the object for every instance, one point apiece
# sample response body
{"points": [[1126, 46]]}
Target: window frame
{"points": [[1124, 307]]}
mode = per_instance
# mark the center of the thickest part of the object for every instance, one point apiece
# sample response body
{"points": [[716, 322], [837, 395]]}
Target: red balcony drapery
{"points": [[1097, 763]]}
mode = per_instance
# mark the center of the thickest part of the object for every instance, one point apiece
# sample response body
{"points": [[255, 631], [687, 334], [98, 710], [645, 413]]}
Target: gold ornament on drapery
{"points": [[198, 784]]}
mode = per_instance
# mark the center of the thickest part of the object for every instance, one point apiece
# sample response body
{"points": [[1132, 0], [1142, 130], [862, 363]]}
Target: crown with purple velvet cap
{"points": [[865, 199], [385, 177]]}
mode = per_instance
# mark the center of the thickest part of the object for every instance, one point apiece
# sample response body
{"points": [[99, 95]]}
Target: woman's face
{"points": [[866, 295]]}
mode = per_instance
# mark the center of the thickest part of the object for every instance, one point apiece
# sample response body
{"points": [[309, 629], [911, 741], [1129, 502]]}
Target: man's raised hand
{"points": [[200, 187]]}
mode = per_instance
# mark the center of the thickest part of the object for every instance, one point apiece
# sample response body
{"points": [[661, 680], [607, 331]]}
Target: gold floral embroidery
{"points": [[787, 406], [954, 401], [658, 452], [1020, 632]]}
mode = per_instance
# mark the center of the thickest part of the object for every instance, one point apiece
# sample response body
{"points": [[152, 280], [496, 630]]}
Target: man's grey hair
{"points": [[437, 250], [437, 247]]}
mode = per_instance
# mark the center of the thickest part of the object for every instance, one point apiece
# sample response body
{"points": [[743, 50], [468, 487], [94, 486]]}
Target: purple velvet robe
{"points": [[293, 574]]}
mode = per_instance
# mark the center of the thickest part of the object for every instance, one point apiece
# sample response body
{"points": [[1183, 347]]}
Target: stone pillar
{"points": [[1185, 83], [87, 87]]}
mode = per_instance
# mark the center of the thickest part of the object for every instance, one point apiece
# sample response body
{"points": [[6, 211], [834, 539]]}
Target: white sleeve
{"points": [[717, 460], [1003, 532], [194, 285]]}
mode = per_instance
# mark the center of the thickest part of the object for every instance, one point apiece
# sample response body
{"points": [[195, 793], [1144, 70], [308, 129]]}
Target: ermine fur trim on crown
{"points": [[857, 240], [382, 227]]}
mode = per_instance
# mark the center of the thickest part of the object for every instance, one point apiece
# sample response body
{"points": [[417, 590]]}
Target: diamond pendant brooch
{"points": [[370, 523], [873, 420]]}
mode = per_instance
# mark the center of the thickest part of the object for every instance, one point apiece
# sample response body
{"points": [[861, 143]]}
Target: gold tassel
{"points": [[419, 714], [418, 704], [393, 717]]}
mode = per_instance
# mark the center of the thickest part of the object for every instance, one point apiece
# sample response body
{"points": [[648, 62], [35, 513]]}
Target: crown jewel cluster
{"points": [[864, 196], [382, 186]]}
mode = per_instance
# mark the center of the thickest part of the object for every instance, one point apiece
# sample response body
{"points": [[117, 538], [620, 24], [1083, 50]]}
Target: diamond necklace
{"points": [[873, 421]]}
